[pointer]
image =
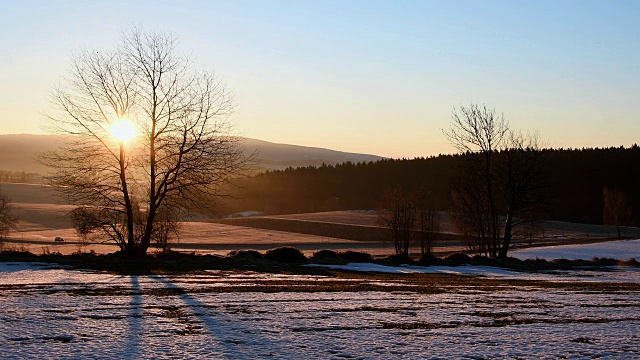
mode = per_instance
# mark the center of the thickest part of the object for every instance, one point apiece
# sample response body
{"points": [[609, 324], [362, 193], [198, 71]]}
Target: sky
{"points": [[375, 77]]}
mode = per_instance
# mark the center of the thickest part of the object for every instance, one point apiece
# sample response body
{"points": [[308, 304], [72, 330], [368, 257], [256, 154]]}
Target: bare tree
{"points": [[523, 183], [531, 229], [7, 219], [427, 213], [617, 210], [399, 216], [478, 132], [183, 153], [501, 177]]}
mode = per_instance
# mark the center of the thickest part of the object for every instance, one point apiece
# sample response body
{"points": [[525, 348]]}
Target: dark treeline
{"points": [[19, 177], [576, 178]]}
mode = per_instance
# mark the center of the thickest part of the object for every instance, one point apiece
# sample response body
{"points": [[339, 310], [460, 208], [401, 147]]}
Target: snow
{"points": [[621, 250], [245, 214], [619, 274], [407, 269], [50, 313]]}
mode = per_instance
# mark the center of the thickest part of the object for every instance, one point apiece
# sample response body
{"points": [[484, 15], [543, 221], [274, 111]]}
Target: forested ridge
{"points": [[576, 179]]}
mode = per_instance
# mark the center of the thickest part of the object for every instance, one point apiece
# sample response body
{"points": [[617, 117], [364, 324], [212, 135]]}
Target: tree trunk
{"points": [[508, 230], [131, 244], [151, 215], [494, 230]]}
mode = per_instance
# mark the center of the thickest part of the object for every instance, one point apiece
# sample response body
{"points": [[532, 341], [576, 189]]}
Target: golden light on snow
{"points": [[123, 130]]}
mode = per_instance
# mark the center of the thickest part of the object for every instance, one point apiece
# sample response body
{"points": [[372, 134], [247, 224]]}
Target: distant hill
{"points": [[19, 153], [280, 156]]}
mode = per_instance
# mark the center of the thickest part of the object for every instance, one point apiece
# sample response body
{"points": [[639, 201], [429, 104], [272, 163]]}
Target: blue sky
{"points": [[365, 76]]}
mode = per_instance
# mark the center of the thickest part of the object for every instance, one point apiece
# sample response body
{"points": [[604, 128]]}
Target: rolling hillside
{"points": [[19, 153]]}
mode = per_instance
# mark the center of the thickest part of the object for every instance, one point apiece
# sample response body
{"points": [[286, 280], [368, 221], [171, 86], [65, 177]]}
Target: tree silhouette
{"points": [[184, 152], [398, 215], [500, 177], [428, 219], [7, 219], [617, 211]]}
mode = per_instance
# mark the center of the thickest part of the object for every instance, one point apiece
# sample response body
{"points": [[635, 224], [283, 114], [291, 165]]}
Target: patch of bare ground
{"points": [[295, 278], [338, 281], [502, 322]]}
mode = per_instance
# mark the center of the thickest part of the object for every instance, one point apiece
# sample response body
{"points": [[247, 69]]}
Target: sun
{"points": [[123, 131]]}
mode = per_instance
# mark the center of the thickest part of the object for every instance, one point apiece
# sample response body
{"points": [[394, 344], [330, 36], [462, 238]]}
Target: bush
{"points": [[510, 262], [356, 256], [605, 261], [171, 255], [566, 263], [399, 259], [245, 254], [538, 264], [458, 259], [484, 261], [328, 257], [429, 260], [285, 254], [630, 262]]}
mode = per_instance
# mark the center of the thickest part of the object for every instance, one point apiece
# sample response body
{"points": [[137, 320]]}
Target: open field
{"points": [[42, 219], [60, 313], [340, 311], [203, 237], [551, 230]]}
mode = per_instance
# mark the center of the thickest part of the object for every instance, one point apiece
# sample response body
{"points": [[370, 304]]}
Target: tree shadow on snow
{"points": [[234, 338], [134, 320]]}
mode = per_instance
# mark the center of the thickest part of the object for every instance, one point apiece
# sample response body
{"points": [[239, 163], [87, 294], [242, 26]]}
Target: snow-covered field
{"points": [[620, 274], [621, 250], [61, 313]]}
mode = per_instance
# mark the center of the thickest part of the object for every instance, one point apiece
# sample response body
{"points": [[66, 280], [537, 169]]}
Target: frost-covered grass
{"points": [[622, 250], [62, 313], [611, 274]]}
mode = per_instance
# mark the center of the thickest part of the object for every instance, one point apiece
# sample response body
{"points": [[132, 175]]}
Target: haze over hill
{"points": [[18, 152]]}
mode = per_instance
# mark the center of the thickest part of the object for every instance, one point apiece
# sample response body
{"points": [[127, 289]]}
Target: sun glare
{"points": [[123, 130]]}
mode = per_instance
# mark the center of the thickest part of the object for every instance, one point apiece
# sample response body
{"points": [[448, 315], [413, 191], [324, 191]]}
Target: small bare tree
{"points": [[166, 228], [7, 219], [531, 229], [183, 153], [399, 216], [427, 213], [617, 210]]}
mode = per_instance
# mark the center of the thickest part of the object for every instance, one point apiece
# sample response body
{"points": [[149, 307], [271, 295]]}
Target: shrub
{"points": [[484, 260], [458, 259], [605, 261], [398, 259], [356, 256], [429, 260], [244, 254], [326, 254], [538, 264], [285, 254], [510, 262], [630, 262], [174, 255], [328, 257]]}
